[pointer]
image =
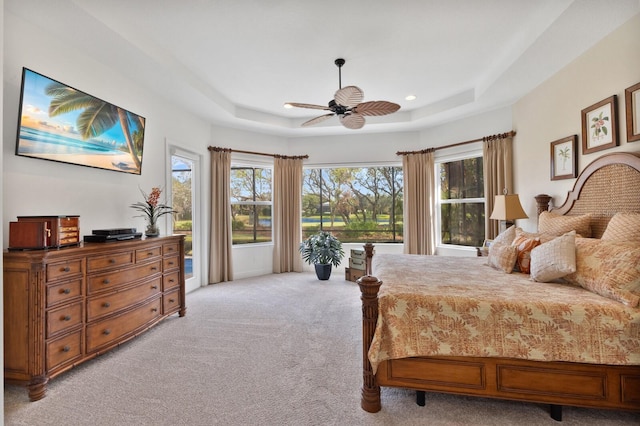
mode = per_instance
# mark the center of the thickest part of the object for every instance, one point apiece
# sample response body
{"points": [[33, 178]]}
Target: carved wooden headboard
{"points": [[608, 185]]}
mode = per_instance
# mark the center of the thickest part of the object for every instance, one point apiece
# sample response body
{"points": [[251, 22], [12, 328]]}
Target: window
{"points": [[461, 213], [357, 204], [251, 205]]}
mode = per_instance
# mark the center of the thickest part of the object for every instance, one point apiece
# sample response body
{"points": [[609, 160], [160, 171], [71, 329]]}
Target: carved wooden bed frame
{"points": [[609, 184]]}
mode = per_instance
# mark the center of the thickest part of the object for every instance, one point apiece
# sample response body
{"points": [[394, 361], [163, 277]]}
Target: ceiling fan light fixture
{"points": [[347, 105], [287, 105]]}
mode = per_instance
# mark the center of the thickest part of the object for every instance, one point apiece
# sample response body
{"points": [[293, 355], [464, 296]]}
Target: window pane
{"points": [[251, 224], [361, 204], [462, 224], [462, 179], [251, 218], [182, 203]]}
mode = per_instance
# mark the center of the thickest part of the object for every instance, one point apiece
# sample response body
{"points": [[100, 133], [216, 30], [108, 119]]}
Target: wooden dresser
{"points": [[63, 307]]}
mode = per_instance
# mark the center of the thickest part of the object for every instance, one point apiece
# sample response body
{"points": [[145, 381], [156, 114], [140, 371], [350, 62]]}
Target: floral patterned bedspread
{"points": [[459, 306]]}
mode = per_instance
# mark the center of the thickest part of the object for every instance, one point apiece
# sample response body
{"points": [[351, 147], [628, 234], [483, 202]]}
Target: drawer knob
{"points": [[172, 300], [106, 304], [154, 287], [67, 318], [106, 281], [150, 253], [171, 280], [66, 349], [170, 263], [154, 268], [106, 331], [66, 269], [154, 309], [112, 261], [65, 290]]}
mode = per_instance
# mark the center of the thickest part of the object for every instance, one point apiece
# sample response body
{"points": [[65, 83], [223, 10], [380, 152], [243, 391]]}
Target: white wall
{"points": [[100, 197], [553, 111]]}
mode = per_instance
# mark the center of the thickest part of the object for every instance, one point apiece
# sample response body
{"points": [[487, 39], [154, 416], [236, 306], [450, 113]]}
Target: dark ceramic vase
{"points": [[323, 271]]}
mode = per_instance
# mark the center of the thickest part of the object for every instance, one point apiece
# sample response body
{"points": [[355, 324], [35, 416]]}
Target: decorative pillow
{"points": [[610, 269], [623, 227], [507, 236], [555, 224], [554, 259], [502, 256], [524, 246], [533, 235]]}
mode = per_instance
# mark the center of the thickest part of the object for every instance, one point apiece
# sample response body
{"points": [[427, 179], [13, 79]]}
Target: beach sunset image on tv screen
{"points": [[60, 123]]}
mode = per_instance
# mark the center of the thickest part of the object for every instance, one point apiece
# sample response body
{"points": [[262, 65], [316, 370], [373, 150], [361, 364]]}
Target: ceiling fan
{"points": [[348, 106]]}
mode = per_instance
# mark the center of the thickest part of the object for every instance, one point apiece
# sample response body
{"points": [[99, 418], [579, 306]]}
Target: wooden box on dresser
{"points": [[63, 307]]}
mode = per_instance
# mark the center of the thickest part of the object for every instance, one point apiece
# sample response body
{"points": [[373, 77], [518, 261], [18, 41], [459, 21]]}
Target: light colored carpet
{"points": [[274, 350]]}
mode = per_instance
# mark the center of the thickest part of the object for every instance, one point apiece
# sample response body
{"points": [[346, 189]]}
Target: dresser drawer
{"points": [[108, 331], [100, 306], [63, 318], [63, 270], [63, 292], [148, 253], [109, 261], [64, 349], [170, 248], [171, 302], [115, 279], [170, 281], [170, 263]]}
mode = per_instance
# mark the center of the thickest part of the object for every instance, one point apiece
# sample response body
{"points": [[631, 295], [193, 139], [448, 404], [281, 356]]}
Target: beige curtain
{"points": [[497, 155], [286, 214], [419, 202], [220, 262]]}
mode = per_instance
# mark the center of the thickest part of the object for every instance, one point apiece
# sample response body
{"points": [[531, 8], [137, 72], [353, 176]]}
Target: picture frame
{"points": [[564, 161], [632, 106], [600, 126], [60, 123]]}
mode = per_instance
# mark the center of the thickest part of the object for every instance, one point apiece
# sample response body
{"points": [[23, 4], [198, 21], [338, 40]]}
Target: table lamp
{"points": [[506, 209]]}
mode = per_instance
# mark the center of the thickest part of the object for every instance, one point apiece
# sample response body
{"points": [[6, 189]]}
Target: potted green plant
{"points": [[322, 250]]}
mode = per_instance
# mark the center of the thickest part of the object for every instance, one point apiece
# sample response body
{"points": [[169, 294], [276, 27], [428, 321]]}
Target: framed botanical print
{"points": [[564, 161], [599, 126], [632, 106]]}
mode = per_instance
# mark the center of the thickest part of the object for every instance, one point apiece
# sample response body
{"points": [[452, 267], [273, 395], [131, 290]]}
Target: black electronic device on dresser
{"points": [[113, 234]]}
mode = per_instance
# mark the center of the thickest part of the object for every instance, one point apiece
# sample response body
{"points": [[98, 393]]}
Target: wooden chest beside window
{"points": [[63, 307]]}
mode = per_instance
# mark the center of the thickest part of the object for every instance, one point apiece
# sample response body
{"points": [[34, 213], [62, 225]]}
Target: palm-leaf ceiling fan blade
{"points": [[349, 96], [376, 108], [317, 120], [352, 121], [311, 106]]}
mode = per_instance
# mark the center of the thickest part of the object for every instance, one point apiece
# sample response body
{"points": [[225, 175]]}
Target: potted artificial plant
{"points": [[322, 250]]}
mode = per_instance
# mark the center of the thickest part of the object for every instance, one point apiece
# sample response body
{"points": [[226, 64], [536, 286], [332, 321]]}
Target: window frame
{"points": [[470, 152], [398, 236], [253, 166]]}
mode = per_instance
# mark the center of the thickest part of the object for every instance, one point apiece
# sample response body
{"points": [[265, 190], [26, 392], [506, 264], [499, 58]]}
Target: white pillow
{"points": [[554, 259]]}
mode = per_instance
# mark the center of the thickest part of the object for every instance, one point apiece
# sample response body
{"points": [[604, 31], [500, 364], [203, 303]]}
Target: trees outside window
{"points": [[357, 204], [461, 213], [251, 205]]}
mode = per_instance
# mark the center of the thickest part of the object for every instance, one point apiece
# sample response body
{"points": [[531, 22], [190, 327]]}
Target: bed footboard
{"points": [[553, 383]]}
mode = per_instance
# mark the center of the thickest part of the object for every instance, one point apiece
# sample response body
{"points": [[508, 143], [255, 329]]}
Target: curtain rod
{"points": [[294, 157], [484, 139]]}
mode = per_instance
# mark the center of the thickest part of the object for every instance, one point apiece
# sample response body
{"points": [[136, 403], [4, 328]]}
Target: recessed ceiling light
{"points": [[410, 97], [288, 106]]}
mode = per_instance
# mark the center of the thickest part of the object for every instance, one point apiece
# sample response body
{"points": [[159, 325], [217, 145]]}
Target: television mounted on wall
{"points": [[59, 123]]}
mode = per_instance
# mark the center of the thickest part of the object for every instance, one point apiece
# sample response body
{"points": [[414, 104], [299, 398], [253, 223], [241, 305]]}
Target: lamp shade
{"points": [[507, 207]]}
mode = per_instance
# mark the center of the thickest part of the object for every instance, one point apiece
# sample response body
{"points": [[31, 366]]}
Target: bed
{"points": [[495, 334]]}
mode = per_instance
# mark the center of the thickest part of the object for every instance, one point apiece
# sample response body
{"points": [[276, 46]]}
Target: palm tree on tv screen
{"points": [[97, 116]]}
